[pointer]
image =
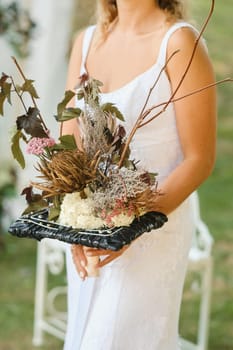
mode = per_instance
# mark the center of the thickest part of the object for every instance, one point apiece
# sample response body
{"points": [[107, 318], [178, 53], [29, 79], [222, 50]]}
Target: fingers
{"points": [[97, 252], [110, 255], [109, 258], [80, 254], [79, 260]]}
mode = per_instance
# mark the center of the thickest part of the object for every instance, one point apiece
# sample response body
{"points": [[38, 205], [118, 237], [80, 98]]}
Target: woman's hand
{"points": [[80, 254], [79, 259], [110, 255]]}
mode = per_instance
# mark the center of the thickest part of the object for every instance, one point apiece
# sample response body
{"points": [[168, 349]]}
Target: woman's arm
{"points": [[196, 120]]}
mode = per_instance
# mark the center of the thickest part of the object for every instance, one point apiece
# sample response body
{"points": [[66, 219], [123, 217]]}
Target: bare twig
{"points": [[194, 50], [181, 98], [156, 81], [141, 115], [19, 96], [33, 99]]}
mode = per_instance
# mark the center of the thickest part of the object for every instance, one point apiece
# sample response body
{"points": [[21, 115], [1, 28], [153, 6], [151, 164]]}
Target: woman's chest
{"points": [[116, 63]]}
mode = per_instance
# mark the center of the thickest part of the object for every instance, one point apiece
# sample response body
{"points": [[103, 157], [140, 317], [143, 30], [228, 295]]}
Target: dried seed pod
{"points": [[66, 172]]}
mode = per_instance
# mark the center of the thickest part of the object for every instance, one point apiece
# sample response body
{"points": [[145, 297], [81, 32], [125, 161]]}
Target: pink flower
{"points": [[120, 207], [36, 145]]}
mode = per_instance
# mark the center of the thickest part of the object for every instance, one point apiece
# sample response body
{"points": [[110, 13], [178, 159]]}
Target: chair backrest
{"points": [[202, 239]]}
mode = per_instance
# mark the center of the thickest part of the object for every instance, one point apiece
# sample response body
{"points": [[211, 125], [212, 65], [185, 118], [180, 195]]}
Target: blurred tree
{"points": [[7, 189], [16, 26], [83, 14]]}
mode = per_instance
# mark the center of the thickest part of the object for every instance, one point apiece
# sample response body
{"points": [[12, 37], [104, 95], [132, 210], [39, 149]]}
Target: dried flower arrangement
{"points": [[97, 186], [83, 187]]}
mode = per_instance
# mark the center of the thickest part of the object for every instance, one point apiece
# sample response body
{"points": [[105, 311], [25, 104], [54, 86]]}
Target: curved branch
{"points": [[33, 100], [180, 98], [141, 115], [156, 81]]}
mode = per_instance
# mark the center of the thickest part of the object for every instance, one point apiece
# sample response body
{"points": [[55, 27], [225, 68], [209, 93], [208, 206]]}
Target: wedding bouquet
{"points": [[93, 194]]}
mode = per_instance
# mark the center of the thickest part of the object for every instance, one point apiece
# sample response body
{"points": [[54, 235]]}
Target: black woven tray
{"points": [[36, 225]]}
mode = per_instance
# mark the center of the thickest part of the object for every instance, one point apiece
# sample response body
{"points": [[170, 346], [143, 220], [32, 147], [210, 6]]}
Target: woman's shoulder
{"points": [[184, 36], [80, 37], [191, 51]]}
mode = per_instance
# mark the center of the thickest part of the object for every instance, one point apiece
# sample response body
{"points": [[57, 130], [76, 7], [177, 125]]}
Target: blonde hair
{"points": [[107, 14]]}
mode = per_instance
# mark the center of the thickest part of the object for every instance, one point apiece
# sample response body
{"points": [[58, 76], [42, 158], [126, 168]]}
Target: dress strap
{"points": [[85, 47], [162, 51], [163, 48]]}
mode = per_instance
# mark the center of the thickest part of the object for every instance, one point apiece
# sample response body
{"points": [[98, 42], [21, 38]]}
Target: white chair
{"points": [[50, 259], [47, 318], [201, 261]]}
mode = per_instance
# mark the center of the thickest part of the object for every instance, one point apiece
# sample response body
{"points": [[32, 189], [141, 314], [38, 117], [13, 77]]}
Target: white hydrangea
{"points": [[79, 213]]}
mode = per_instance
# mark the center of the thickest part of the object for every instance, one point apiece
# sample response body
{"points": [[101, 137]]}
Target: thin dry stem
{"points": [[19, 96], [156, 81], [140, 118], [33, 99], [182, 97]]}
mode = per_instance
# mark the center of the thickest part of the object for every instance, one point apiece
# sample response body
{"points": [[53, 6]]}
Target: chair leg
{"points": [[40, 291], [203, 328]]}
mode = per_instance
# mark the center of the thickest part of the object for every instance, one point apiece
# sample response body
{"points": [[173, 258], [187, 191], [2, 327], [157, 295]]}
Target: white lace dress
{"points": [[135, 303]]}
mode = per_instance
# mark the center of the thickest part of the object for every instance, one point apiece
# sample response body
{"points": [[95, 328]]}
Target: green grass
{"points": [[17, 271], [17, 262], [216, 195]]}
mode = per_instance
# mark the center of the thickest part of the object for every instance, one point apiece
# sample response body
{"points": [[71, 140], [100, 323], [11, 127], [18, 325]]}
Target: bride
{"points": [[135, 302]]}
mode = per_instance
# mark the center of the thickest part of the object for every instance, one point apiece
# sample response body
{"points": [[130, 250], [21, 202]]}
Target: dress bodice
{"points": [[156, 145]]}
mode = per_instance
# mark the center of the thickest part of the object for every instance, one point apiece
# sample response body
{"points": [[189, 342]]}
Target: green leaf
{"points": [[95, 84], [34, 206], [62, 105], [54, 213], [111, 108], [80, 95], [7, 91], [16, 150], [35, 200], [31, 123], [67, 142], [69, 113], [94, 88], [2, 100], [28, 87]]}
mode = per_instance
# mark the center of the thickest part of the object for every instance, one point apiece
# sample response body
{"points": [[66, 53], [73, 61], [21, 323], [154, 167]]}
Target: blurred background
{"points": [[39, 34]]}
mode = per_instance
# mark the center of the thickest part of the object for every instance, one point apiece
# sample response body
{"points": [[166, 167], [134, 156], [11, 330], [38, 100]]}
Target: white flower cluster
{"points": [[79, 213]]}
